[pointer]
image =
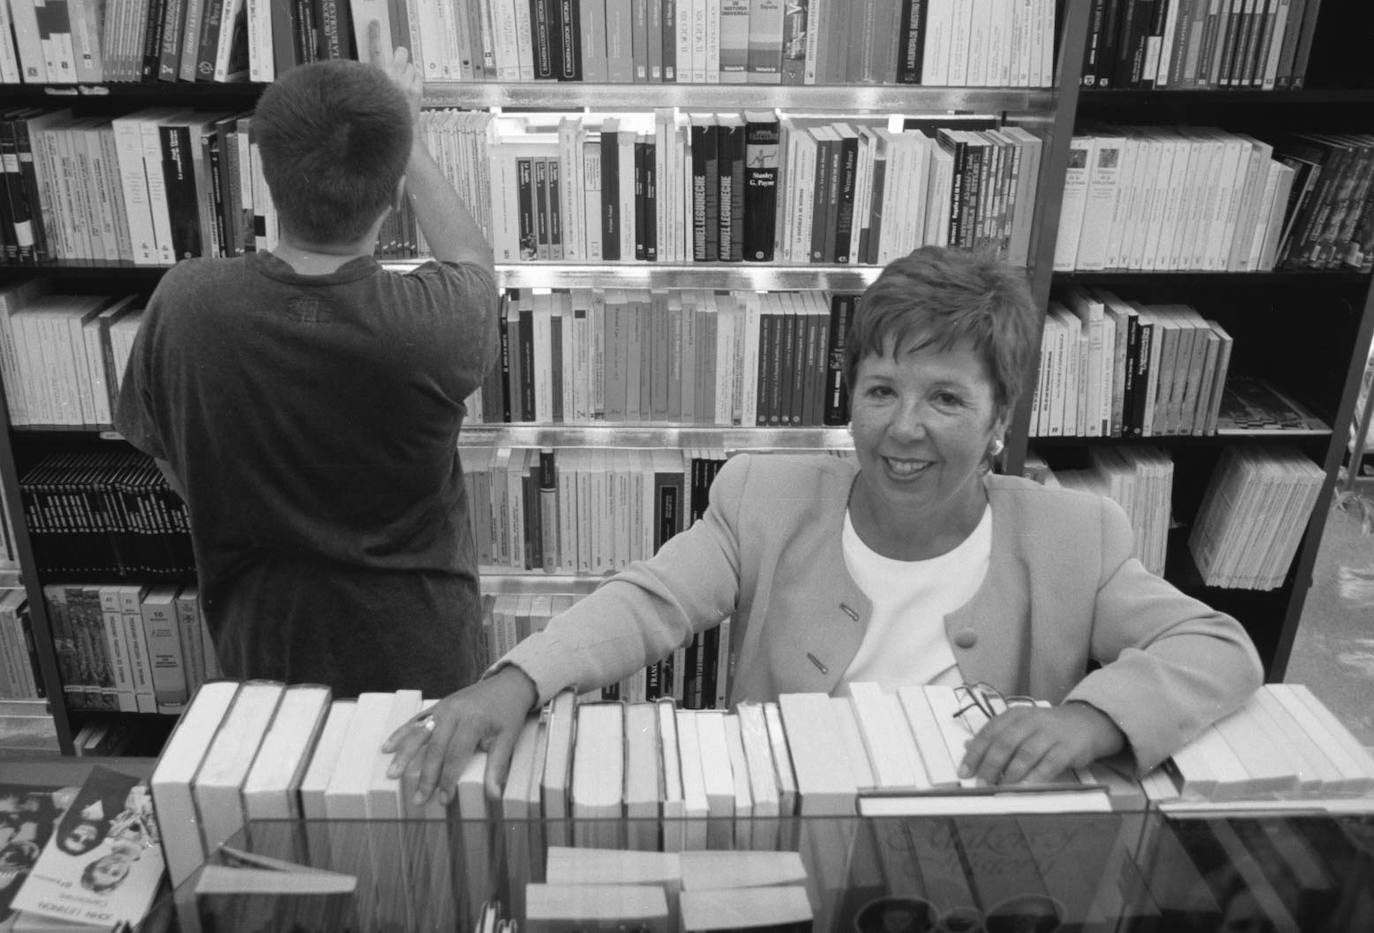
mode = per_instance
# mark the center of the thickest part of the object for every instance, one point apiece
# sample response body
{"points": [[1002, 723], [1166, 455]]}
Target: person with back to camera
{"points": [[306, 403], [910, 563]]}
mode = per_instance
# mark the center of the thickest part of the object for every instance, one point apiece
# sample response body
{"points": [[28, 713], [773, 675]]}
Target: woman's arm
{"points": [[1171, 665], [633, 619]]}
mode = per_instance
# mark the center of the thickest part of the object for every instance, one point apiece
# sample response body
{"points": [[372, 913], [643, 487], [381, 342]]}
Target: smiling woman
{"points": [[907, 564]]}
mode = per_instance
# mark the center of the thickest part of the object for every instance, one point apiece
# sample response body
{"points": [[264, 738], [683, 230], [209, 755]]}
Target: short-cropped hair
{"points": [[334, 138], [943, 296]]}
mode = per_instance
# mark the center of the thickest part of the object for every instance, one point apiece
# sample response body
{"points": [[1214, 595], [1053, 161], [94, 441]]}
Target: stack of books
{"points": [[1113, 367], [1253, 515]]}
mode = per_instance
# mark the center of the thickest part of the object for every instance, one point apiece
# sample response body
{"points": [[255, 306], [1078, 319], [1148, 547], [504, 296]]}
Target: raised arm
{"points": [[449, 229]]}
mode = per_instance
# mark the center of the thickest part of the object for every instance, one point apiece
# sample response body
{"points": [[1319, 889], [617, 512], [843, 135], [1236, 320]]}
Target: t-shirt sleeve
{"points": [[134, 412], [467, 298]]}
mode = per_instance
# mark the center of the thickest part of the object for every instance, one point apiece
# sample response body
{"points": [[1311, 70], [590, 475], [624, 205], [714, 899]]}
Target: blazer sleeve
{"points": [[644, 612], [1171, 665]]}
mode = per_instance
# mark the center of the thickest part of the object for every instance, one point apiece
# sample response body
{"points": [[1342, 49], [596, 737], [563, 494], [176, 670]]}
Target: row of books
{"points": [[1186, 44], [20, 677], [9, 549], [582, 510], [129, 648], [695, 675], [62, 356], [652, 776], [679, 356], [1120, 368], [1139, 479], [1005, 44], [150, 187], [1175, 198], [1253, 515], [158, 185], [759, 186], [107, 512]]}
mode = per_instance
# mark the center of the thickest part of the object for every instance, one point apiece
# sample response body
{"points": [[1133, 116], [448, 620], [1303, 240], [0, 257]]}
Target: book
{"points": [[271, 789], [102, 864], [171, 781], [218, 783]]}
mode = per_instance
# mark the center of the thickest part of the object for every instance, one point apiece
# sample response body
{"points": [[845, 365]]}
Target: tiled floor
{"points": [[1334, 650]]}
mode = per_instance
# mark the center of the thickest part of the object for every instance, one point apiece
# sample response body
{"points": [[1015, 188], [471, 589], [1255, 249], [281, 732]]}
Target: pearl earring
{"points": [[997, 447]]}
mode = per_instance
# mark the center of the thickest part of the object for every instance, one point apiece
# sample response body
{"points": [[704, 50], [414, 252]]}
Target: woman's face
{"points": [[923, 423]]}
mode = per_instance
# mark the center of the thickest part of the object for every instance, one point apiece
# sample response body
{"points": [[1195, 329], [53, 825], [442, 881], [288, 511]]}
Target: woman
{"points": [[908, 564]]}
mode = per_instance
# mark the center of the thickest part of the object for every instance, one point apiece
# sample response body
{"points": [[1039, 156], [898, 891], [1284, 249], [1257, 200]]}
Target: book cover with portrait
{"points": [[103, 861], [27, 816]]}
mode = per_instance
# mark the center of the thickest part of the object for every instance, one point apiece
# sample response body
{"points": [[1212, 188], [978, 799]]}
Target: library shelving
{"points": [[1309, 331]]}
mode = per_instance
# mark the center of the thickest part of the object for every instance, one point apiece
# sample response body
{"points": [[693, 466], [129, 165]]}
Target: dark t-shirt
{"points": [[313, 421]]}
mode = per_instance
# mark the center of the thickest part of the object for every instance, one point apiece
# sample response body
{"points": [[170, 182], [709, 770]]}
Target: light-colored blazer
{"points": [[1062, 590]]}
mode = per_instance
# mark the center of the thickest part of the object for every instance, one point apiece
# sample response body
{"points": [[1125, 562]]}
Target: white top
{"points": [[905, 644]]}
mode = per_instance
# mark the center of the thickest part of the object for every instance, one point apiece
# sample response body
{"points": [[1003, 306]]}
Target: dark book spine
{"points": [[548, 502], [669, 14], [286, 16], [526, 348], [210, 143], [1153, 39], [610, 194], [529, 495], [844, 219], [180, 180], [640, 205], [525, 198], [1109, 48], [875, 210], [542, 34], [650, 202], [559, 369], [761, 384], [735, 202], [761, 189], [336, 30], [570, 40], [152, 38], [506, 393], [711, 151], [541, 208], [836, 393], [305, 37], [169, 48], [16, 215], [912, 42], [555, 215], [1092, 50], [820, 200], [207, 49], [699, 180]]}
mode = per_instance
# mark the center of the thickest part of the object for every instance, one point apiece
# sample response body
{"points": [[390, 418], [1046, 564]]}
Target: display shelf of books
{"points": [[815, 794]]}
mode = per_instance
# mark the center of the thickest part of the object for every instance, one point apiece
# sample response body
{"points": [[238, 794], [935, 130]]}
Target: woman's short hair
{"points": [[942, 296], [334, 138]]}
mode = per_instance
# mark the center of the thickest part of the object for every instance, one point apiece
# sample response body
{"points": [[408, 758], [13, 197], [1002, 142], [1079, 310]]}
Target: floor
{"points": [[1334, 650]]}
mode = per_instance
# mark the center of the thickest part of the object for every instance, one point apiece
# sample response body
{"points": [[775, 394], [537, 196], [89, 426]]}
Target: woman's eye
{"points": [[949, 400], [879, 391]]}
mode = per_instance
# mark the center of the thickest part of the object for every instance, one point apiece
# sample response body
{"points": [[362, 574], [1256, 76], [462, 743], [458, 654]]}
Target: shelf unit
{"points": [[1339, 103]]}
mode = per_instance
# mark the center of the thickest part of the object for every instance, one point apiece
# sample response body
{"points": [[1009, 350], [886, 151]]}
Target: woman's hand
{"points": [[1038, 744], [485, 716]]}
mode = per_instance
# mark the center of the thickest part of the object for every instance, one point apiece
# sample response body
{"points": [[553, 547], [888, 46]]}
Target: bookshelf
{"points": [[1319, 364]]}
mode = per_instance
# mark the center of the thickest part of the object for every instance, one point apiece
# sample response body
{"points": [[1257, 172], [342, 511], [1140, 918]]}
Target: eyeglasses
{"points": [[981, 698]]}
